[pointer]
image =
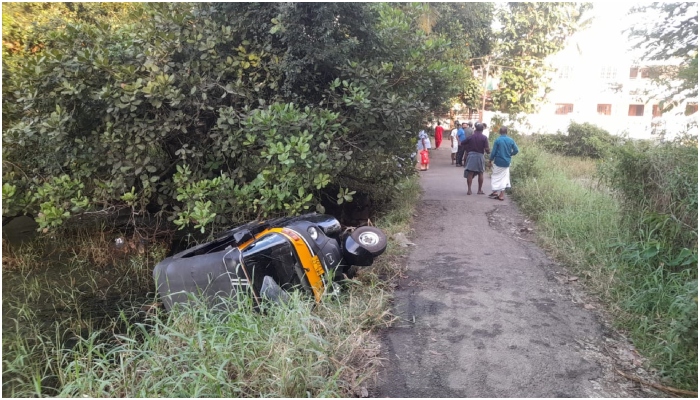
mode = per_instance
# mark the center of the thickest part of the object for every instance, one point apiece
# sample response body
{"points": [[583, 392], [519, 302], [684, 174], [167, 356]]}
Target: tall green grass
{"points": [[648, 282], [56, 291], [577, 221], [301, 349], [294, 350]]}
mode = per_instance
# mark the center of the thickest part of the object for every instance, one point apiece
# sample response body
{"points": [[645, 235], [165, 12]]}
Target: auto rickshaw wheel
{"points": [[371, 239]]}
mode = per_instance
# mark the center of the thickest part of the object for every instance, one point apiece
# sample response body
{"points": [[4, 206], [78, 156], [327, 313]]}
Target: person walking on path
{"points": [[503, 149], [438, 135], [422, 148], [461, 137], [475, 146], [468, 131], [454, 143]]}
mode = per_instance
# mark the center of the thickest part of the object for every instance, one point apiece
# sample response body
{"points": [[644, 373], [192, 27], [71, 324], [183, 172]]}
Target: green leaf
{"points": [[649, 252]]}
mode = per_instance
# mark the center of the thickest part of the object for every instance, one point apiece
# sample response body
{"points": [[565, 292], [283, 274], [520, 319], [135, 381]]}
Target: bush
{"points": [[216, 113], [582, 140], [556, 143], [659, 187], [588, 140], [528, 164]]}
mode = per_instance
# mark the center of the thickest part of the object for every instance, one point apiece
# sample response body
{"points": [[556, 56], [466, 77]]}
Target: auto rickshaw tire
{"points": [[371, 239], [344, 272], [351, 272]]}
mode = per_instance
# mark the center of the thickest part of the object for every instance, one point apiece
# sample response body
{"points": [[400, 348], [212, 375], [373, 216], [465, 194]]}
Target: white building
{"points": [[597, 80]]}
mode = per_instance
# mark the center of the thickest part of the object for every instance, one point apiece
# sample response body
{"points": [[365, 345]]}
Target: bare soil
{"points": [[484, 312]]}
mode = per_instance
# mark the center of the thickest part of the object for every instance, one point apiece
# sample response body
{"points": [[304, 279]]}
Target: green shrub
{"points": [[588, 140], [581, 140], [658, 184], [658, 292], [554, 143], [216, 113], [528, 164]]}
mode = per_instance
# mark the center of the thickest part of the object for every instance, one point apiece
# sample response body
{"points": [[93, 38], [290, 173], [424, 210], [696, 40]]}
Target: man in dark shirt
{"points": [[475, 146]]}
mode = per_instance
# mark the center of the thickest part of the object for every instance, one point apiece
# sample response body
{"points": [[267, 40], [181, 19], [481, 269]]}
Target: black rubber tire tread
{"points": [[375, 249]]}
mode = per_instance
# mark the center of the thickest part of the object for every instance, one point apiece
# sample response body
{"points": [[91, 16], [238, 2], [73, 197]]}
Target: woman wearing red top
{"points": [[438, 135]]}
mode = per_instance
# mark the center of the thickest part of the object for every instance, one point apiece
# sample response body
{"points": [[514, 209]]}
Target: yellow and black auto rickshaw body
{"points": [[266, 259]]}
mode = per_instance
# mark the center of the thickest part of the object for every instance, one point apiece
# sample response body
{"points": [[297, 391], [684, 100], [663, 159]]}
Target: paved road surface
{"points": [[483, 312]]}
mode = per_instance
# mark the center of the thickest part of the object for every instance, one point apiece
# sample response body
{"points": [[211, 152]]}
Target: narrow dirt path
{"points": [[484, 313]]}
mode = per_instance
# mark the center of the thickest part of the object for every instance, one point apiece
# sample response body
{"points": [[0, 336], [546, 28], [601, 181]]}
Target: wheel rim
{"points": [[368, 238]]}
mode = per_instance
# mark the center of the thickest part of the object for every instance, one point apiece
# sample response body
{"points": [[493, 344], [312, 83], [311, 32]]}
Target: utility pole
{"points": [[483, 95]]}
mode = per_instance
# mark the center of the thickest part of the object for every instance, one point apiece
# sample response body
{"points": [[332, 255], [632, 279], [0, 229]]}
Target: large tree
{"points": [[528, 34], [468, 27], [669, 31]]}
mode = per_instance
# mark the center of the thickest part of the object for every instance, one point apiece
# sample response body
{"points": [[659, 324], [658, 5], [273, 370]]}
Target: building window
{"points": [[608, 72], [633, 72], [564, 108], [656, 111], [565, 72], [644, 72], [691, 108], [636, 110], [604, 109]]}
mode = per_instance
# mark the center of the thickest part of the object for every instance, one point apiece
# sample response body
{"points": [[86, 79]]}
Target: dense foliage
{"points": [[454, 20], [220, 112], [213, 113], [658, 186]]}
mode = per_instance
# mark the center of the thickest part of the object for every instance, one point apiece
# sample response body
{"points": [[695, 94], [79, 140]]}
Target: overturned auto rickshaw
{"points": [[266, 259]]}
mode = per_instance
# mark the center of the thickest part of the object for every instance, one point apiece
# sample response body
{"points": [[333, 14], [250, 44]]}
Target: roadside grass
{"points": [[397, 219], [583, 225], [577, 223], [57, 291], [291, 350], [75, 349]]}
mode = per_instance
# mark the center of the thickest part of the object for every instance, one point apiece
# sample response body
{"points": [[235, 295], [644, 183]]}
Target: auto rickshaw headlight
{"points": [[313, 232]]}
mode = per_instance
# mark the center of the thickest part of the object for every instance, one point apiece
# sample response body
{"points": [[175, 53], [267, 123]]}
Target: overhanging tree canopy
{"points": [[670, 31], [219, 112]]}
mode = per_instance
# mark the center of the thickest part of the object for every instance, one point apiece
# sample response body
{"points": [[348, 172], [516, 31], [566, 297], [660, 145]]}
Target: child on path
{"points": [[422, 147]]}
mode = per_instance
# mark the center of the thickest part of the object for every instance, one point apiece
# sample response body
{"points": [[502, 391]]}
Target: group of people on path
{"points": [[468, 148]]}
